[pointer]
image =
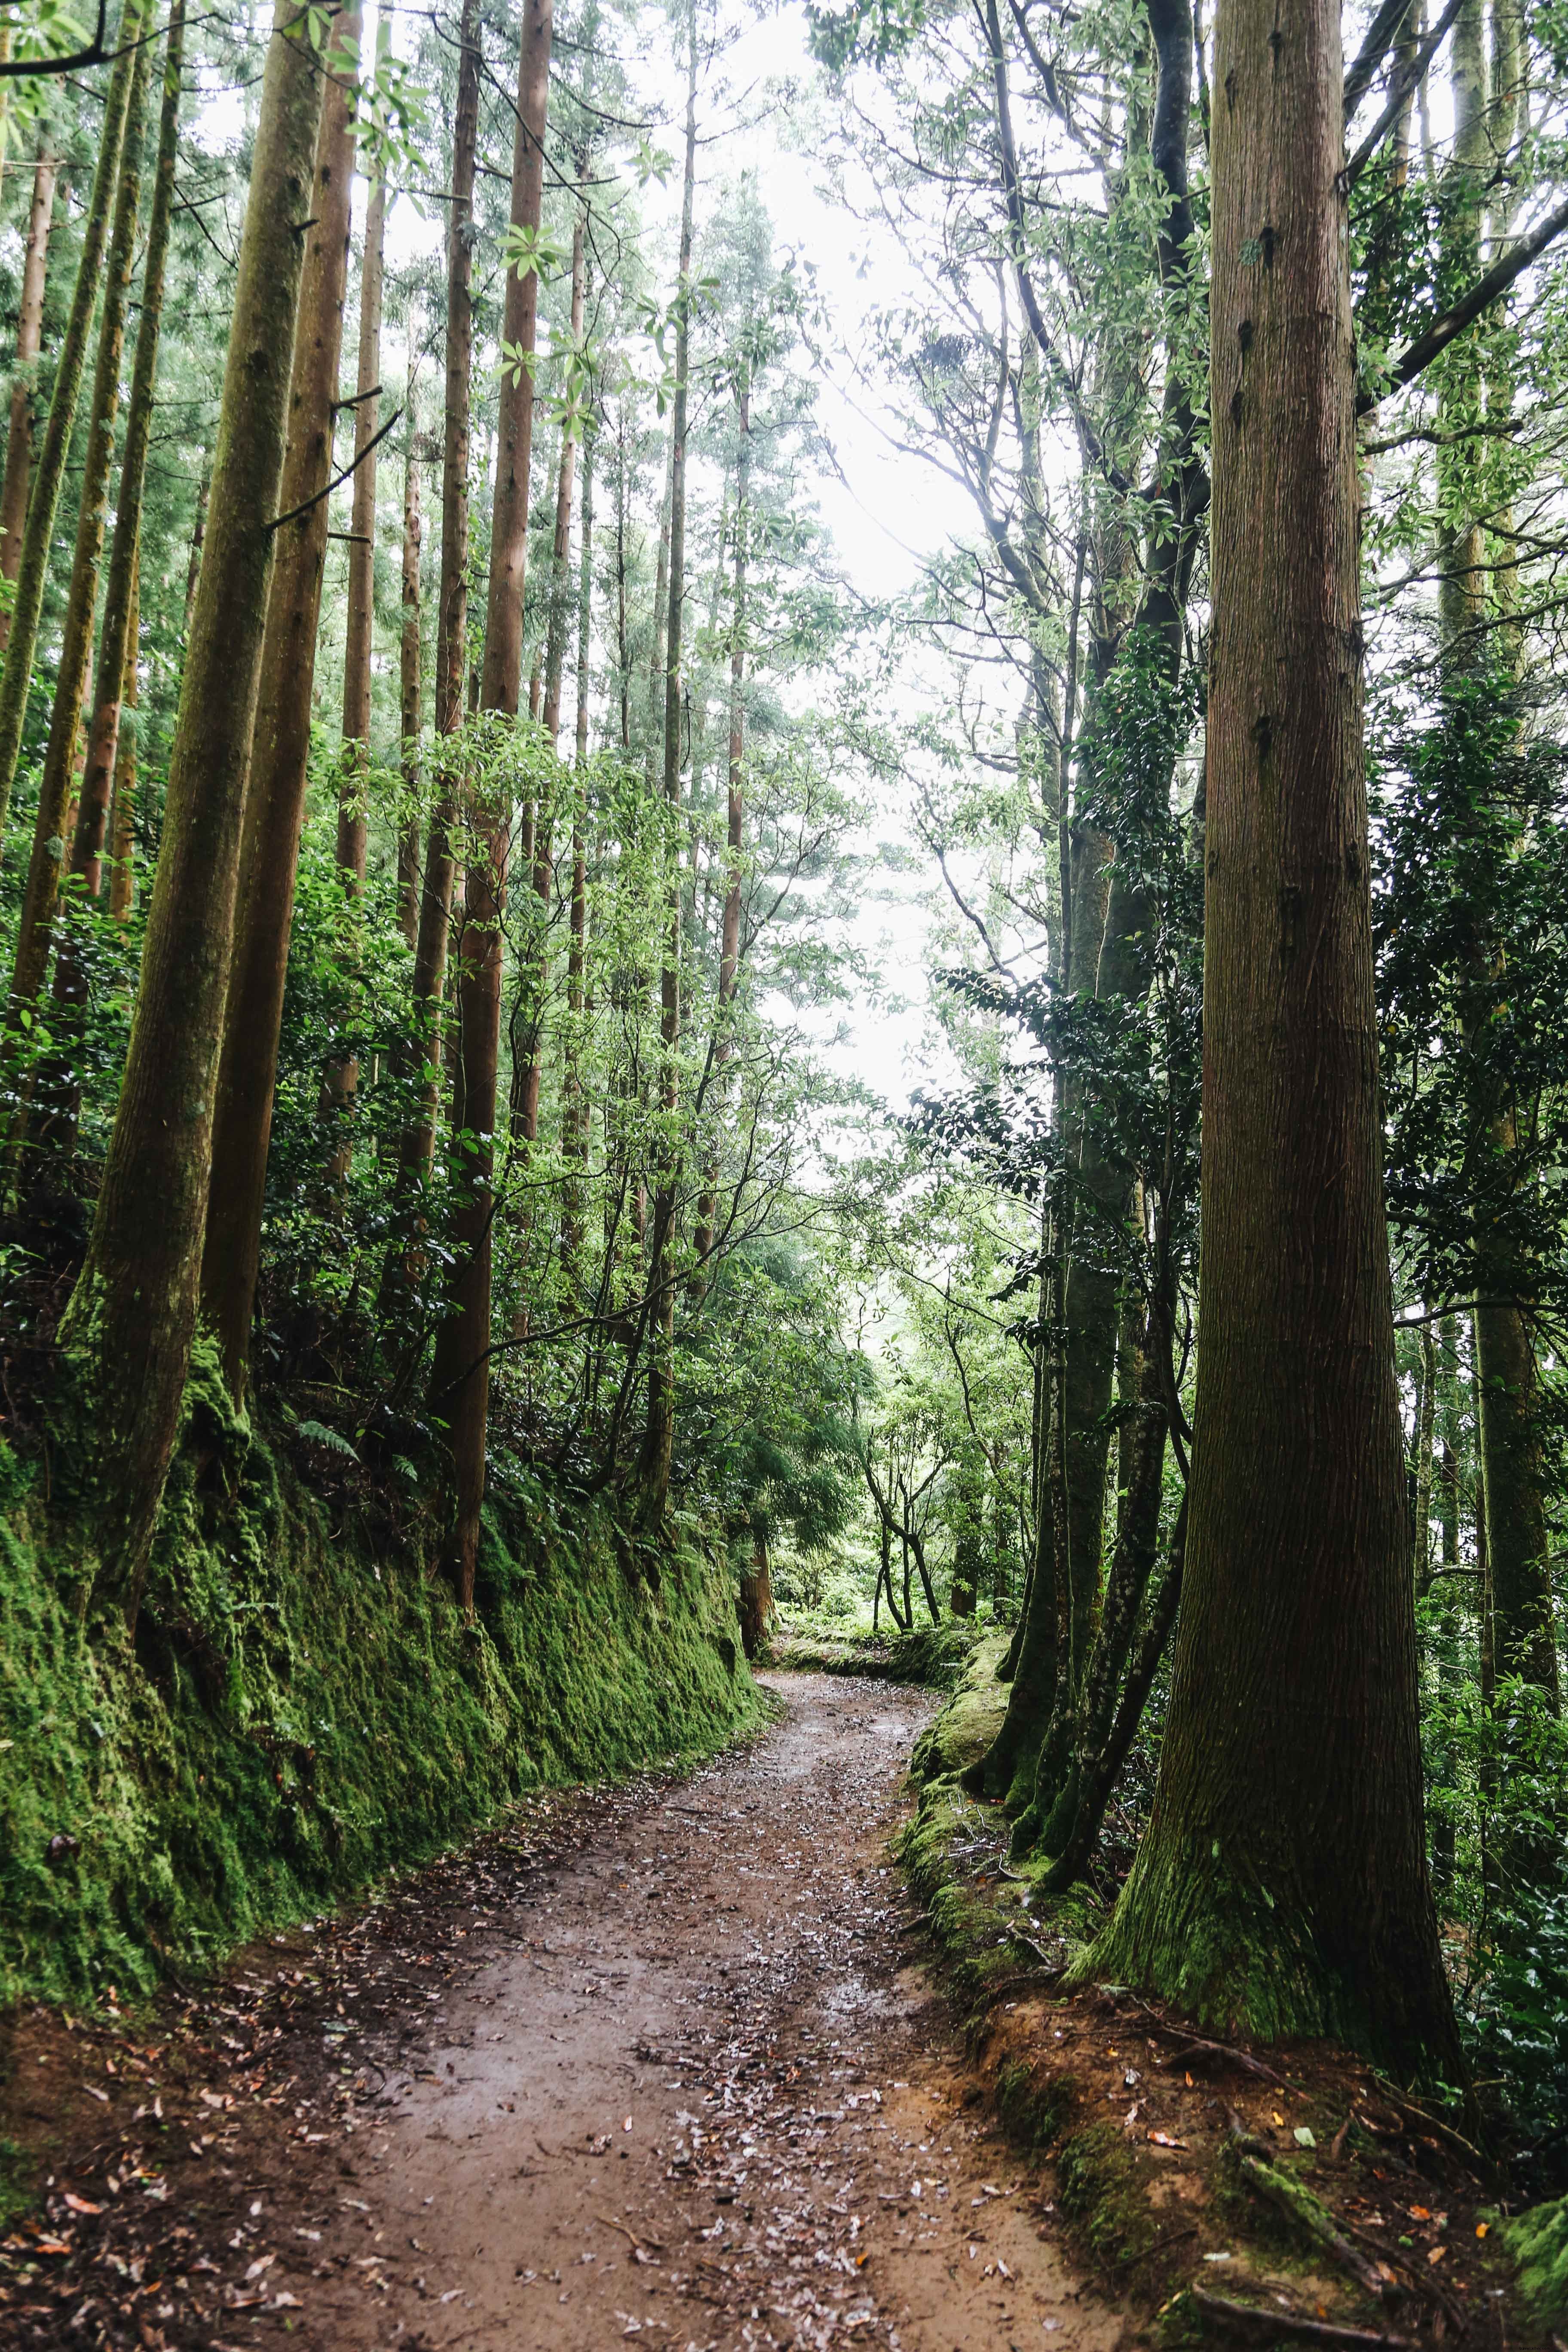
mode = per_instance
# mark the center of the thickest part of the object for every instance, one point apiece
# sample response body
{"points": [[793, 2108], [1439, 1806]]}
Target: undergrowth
{"points": [[304, 1706]]}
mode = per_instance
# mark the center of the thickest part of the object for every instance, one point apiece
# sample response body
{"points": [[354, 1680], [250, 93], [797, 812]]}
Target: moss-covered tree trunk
{"points": [[462, 1379], [51, 824], [279, 756], [128, 1331], [49, 474], [24, 382], [1281, 1885]]}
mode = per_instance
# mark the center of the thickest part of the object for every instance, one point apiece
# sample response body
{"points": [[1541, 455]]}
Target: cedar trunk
{"points": [[1281, 1885], [462, 1372], [279, 754], [29, 332], [128, 1331], [44, 497], [435, 913], [658, 1434], [116, 648], [410, 655], [51, 824], [123, 818]]}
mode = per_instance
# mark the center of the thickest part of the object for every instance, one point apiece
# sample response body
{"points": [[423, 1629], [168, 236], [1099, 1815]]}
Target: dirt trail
{"points": [[702, 2094]]}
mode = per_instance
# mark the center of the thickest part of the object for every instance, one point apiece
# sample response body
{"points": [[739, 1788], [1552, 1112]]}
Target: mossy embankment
{"points": [[304, 1708], [1191, 2171], [937, 1656]]}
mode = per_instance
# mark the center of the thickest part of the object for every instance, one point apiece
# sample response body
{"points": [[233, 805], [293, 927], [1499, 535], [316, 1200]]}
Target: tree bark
{"points": [[352, 812], [658, 1434], [24, 387], [409, 662], [123, 818], [44, 497], [575, 1118], [50, 825], [729, 928], [451, 637], [128, 1331], [340, 1079], [460, 1387], [279, 757], [1281, 1885], [525, 1126], [117, 651], [198, 536]]}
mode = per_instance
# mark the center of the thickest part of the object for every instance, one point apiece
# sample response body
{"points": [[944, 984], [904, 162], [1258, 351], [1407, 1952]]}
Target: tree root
{"points": [[1290, 2197], [1251, 2320]]}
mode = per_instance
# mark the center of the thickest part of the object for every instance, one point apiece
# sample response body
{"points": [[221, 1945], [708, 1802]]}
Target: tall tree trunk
{"points": [[340, 1079], [462, 1379], [198, 538], [116, 648], [730, 932], [575, 1115], [44, 497], [352, 812], [122, 819], [451, 633], [71, 680], [1513, 1474], [409, 661], [127, 1333], [1281, 1884], [658, 1434], [279, 756], [535, 980], [24, 386]]}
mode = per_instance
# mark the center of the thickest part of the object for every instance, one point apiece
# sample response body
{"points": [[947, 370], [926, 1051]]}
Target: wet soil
{"points": [[662, 2061]]}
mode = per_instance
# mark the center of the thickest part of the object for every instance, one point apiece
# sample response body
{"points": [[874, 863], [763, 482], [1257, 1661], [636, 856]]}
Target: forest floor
{"points": [[659, 2061]]}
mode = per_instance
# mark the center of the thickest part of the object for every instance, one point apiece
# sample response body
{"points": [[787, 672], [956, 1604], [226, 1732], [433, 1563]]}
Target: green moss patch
{"points": [[1538, 2241], [305, 1709], [935, 1655], [970, 1721]]}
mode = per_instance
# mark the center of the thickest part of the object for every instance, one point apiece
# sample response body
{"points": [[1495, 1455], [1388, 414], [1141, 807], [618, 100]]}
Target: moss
{"points": [[305, 1709], [935, 1655], [1101, 2194], [970, 1721], [1034, 2103], [1219, 1947], [1538, 2241]]}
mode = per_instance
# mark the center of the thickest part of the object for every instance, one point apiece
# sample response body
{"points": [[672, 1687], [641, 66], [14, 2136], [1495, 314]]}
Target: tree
{"points": [[29, 328], [1281, 1884], [280, 755], [127, 1334], [49, 474], [460, 1381]]}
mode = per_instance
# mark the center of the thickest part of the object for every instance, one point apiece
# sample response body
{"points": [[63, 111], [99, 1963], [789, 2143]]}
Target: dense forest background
{"points": [[543, 984]]}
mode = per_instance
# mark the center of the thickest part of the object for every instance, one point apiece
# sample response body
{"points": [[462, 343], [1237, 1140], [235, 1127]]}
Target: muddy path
{"points": [[673, 2069]]}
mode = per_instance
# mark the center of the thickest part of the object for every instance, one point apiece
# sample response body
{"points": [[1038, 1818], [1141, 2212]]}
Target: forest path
{"points": [[699, 2100]]}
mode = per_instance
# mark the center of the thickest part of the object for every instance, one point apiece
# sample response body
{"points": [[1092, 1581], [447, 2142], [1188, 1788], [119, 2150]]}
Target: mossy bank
{"points": [[304, 1708]]}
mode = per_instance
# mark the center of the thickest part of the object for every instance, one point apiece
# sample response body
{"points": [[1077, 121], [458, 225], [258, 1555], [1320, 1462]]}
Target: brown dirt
{"points": [[659, 2061]]}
